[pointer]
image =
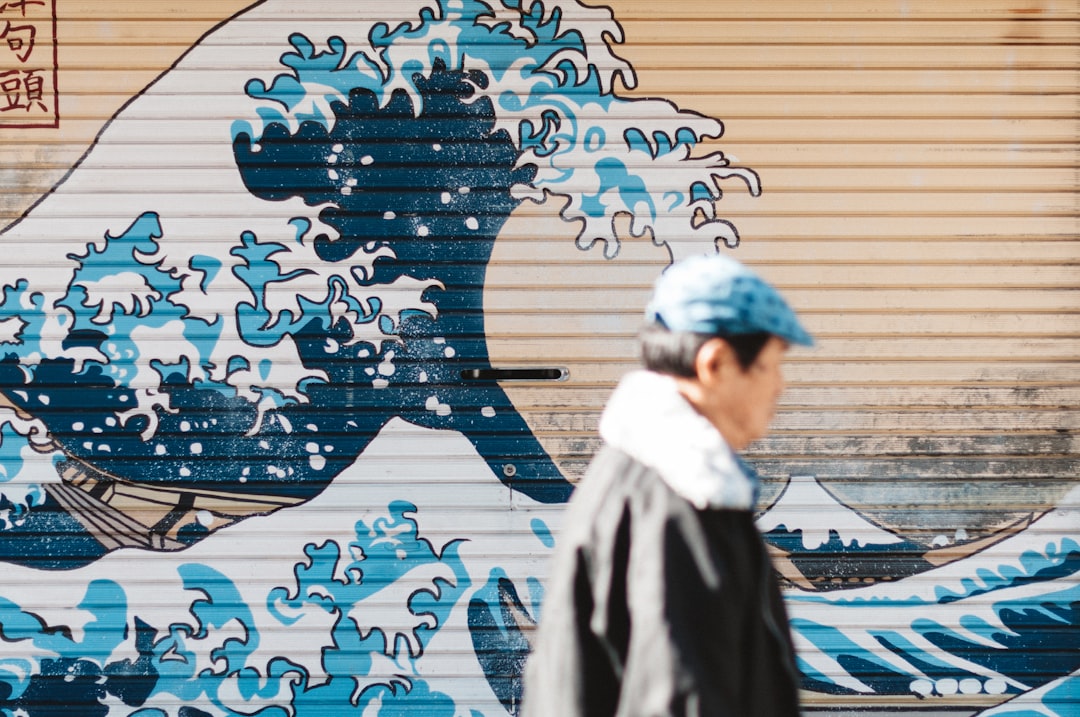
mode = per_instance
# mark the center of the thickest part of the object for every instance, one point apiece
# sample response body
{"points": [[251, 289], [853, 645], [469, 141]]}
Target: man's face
{"points": [[741, 402]]}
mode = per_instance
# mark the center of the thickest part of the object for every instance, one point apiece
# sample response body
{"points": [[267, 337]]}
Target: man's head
{"points": [[722, 332]]}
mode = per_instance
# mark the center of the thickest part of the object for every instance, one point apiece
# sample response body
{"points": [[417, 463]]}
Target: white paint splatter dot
{"points": [[110, 421], [437, 147], [422, 231], [331, 159], [264, 445], [317, 462], [449, 352], [463, 190], [947, 686], [78, 426], [185, 471], [44, 399], [422, 377], [185, 426], [970, 686], [922, 687], [387, 367], [346, 191], [160, 449], [471, 223], [367, 159], [380, 383], [205, 518], [440, 409], [445, 197], [311, 447], [487, 412], [196, 449], [439, 339], [389, 215]]}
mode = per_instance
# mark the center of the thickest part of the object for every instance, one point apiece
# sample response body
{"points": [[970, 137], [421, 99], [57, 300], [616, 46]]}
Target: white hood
{"points": [[650, 420]]}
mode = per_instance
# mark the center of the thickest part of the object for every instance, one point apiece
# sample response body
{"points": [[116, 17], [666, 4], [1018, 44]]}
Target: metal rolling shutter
{"points": [[919, 169]]}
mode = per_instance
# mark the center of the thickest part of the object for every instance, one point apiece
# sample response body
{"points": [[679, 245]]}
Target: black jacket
{"points": [[655, 606]]}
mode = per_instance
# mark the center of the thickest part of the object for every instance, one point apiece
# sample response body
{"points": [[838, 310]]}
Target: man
{"points": [[662, 599]]}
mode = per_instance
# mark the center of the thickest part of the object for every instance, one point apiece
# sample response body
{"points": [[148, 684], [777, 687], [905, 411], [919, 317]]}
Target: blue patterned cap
{"points": [[717, 295]]}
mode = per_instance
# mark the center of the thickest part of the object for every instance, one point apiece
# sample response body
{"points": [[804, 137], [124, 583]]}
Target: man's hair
{"points": [[675, 352]]}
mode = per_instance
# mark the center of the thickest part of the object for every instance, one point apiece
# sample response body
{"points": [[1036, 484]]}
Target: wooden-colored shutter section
{"points": [[919, 165]]}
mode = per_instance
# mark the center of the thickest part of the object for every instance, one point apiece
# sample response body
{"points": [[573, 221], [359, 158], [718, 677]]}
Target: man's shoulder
{"points": [[613, 482], [614, 472]]}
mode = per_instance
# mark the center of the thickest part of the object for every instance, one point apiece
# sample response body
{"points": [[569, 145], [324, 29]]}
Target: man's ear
{"points": [[714, 359]]}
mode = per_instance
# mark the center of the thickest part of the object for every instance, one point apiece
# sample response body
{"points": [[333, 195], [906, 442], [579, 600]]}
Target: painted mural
{"points": [[279, 303]]}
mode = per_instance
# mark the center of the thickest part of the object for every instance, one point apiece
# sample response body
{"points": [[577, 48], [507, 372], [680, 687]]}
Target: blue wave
{"points": [[1001, 622], [379, 166], [174, 665]]}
